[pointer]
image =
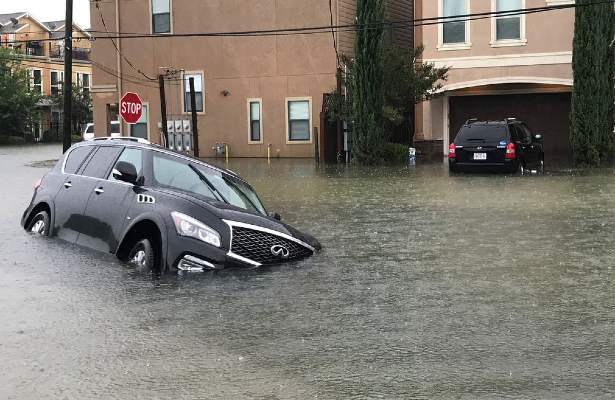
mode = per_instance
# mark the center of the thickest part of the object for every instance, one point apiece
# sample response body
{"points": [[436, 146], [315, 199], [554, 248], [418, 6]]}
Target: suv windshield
{"points": [[482, 133], [202, 181]]}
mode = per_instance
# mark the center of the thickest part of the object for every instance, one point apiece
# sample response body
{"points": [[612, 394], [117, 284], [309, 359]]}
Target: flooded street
{"points": [[429, 286]]}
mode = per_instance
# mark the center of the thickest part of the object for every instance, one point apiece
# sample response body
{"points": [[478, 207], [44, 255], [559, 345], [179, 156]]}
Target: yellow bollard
{"points": [[269, 154], [226, 152]]}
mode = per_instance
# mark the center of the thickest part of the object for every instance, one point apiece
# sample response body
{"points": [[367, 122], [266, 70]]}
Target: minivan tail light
{"points": [[511, 151], [452, 151]]}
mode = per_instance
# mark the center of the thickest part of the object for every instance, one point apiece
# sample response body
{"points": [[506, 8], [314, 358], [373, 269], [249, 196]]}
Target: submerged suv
{"points": [[505, 145], [159, 210]]}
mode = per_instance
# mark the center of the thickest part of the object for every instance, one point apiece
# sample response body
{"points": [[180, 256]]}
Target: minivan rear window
{"points": [[482, 133]]}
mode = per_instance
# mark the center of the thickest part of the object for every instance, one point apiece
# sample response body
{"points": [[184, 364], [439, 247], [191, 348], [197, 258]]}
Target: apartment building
{"points": [[254, 93], [42, 45], [506, 67]]}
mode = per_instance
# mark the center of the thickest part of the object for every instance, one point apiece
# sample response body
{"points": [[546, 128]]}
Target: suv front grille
{"points": [[257, 246]]}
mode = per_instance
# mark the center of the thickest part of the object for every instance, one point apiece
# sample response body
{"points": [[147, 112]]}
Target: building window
{"points": [[36, 81], [57, 81], [198, 91], [83, 81], [141, 128], [255, 120], [161, 16], [508, 27], [454, 33], [299, 124]]}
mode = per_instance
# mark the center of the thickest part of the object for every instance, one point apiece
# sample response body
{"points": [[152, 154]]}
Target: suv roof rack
{"points": [[129, 138]]}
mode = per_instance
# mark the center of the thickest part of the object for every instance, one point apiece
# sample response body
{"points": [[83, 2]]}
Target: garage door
{"points": [[545, 113]]}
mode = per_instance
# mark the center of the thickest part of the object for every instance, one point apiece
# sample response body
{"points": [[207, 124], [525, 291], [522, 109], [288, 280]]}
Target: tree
{"points": [[367, 84], [81, 107], [593, 92], [18, 104], [406, 82]]}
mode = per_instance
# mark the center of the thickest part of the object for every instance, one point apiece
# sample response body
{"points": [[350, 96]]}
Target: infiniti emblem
{"points": [[280, 251]]}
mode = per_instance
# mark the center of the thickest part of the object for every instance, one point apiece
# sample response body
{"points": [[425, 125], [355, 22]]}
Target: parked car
{"points": [[159, 210], [506, 145], [89, 132]]}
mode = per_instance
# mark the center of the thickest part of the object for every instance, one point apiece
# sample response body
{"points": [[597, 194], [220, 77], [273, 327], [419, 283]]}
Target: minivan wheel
{"points": [[142, 256], [39, 225]]}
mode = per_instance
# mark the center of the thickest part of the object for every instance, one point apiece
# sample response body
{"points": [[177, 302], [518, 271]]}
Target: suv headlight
{"points": [[190, 227]]}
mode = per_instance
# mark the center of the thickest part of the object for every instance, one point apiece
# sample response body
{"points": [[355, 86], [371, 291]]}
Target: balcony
{"points": [[78, 53]]}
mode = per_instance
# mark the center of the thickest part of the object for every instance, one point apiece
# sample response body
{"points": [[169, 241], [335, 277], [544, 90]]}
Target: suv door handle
{"points": [[99, 191], [68, 185]]}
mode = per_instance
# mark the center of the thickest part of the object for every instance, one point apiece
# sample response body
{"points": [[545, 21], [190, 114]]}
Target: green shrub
{"points": [[11, 140], [76, 139], [395, 153]]}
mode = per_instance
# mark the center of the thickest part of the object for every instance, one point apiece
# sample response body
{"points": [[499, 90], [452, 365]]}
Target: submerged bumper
{"points": [[507, 166]]}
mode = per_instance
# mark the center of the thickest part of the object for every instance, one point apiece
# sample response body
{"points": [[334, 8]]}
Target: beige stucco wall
{"points": [[542, 61], [269, 68]]}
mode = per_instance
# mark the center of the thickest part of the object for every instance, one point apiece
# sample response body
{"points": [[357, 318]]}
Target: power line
{"points": [[345, 28]]}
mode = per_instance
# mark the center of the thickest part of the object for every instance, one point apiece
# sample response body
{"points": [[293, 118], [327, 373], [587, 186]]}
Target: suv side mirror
{"points": [[538, 137], [125, 172], [275, 216]]}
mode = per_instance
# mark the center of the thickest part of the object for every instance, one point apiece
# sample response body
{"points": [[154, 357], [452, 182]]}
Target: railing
{"points": [[78, 54]]}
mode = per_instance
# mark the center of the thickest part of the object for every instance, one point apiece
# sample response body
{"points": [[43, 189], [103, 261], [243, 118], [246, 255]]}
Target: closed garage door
{"points": [[545, 113]]}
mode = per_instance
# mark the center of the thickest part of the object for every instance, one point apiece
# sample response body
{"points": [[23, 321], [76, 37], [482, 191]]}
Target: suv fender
{"points": [[158, 222]]}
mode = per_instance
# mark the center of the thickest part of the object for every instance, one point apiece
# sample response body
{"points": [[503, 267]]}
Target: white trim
{"points": [[559, 2], [505, 60], [288, 100], [453, 46], [183, 90], [147, 123], [522, 41], [151, 18], [249, 103], [103, 89], [504, 80]]}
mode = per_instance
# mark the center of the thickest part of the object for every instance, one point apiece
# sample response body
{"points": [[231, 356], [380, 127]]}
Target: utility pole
{"points": [[163, 110], [195, 124], [68, 75]]}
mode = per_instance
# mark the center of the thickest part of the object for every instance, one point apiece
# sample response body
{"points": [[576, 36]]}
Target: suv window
{"points": [[520, 134], [101, 161], [133, 156], [482, 133], [76, 158], [174, 173], [90, 129]]}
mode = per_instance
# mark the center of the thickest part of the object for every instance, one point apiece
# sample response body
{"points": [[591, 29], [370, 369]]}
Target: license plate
{"points": [[480, 156]]}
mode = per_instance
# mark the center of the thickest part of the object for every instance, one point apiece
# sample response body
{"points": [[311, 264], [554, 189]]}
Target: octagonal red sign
{"points": [[131, 108]]}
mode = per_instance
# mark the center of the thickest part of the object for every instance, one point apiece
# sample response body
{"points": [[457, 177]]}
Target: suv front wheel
{"points": [[142, 256]]}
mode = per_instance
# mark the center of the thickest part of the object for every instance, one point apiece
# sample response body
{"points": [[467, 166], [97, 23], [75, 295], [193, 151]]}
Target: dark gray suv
{"points": [[159, 210]]}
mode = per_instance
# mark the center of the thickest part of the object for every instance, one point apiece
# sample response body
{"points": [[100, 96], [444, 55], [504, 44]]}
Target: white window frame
{"points": [[183, 90], [147, 124], [453, 46], [32, 84], [260, 102], [80, 81], [311, 124], [151, 18], [60, 83], [522, 41]]}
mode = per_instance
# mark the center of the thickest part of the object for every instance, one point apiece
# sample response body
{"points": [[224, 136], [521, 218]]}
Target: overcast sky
{"points": [[49, 10]]}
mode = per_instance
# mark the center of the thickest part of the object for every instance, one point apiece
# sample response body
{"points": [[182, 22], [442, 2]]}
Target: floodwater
{"points": [[429, 286]]}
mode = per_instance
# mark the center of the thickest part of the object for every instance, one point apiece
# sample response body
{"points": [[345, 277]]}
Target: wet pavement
{"points": [[430, 286]]}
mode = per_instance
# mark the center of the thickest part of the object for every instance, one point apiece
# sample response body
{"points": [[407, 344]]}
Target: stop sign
{"points": [[131, 108]]}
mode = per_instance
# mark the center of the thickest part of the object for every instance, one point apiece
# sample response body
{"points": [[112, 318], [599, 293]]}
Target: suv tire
{"points": [[142, 256], [39, 225]]}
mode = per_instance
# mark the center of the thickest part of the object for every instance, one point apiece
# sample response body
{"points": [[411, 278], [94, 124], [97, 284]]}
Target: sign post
{"points": [[131, 108]]}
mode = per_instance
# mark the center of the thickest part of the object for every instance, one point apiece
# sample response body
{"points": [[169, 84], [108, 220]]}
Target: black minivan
{"points": [[159, 210], [507, 146]]}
